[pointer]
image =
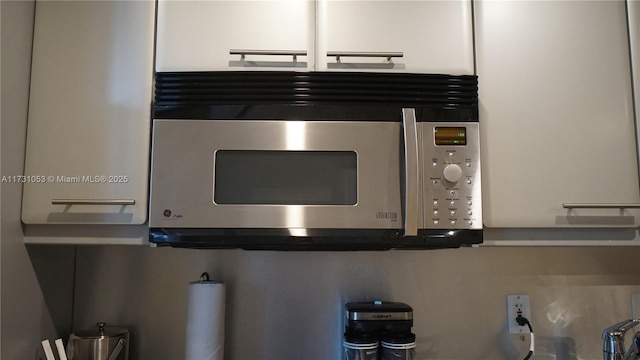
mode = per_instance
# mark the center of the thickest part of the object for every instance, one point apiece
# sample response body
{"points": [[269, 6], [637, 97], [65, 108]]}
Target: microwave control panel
{"points": [[450, 175]]}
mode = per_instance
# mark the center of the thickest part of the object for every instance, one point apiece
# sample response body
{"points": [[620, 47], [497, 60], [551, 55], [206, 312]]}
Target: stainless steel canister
{"points": [[360, 346], [398, 346], [102, 343]]}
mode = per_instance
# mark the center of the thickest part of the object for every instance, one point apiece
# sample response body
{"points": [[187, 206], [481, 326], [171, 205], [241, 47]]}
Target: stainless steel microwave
{"points": [[313, 175]]}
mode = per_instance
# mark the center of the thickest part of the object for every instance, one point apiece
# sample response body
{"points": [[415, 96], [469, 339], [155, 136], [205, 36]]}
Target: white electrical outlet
{"points": [[517, 305], [635, 306]]}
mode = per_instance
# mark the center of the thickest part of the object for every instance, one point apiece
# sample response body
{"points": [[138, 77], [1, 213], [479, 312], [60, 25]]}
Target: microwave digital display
{"points": [[450, 135]]}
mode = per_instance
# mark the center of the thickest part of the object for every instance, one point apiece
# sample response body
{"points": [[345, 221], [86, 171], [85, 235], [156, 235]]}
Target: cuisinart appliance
{"points": [[379, 330], [319, 160]]}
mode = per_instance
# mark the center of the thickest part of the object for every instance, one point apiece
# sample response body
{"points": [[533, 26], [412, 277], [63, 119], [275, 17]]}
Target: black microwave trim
{"points": [[177, 89], [315, 240], [314, 112]]}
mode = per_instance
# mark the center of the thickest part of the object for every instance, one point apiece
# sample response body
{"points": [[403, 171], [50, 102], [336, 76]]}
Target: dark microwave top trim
{"points": [[312, 112], [321, 95]]}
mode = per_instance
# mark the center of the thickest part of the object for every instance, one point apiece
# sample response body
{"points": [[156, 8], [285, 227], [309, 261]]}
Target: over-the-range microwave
{"points": [[315, 161]]}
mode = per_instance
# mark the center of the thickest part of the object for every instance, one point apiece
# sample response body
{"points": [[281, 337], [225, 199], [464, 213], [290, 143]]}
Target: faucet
{"points": [[613, 338]]}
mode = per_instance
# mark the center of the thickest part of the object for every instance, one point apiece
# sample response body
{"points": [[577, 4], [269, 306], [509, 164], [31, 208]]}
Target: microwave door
{"points": [[291, 175]]}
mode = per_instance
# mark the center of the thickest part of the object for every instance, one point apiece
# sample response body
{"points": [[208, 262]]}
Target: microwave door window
{"points": [[257, 177]]}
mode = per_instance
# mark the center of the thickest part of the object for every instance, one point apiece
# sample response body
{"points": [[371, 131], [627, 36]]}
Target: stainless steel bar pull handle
{"points": [[410, 135], [388, 55], [244, 53], [93, 202], [600, 206]]}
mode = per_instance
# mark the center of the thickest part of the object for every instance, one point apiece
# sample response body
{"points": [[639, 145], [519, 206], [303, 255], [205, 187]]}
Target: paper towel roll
{"points": [[205, 321]]}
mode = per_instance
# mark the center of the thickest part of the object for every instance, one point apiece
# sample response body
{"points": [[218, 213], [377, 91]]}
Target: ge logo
{"points": [[167, 213]]}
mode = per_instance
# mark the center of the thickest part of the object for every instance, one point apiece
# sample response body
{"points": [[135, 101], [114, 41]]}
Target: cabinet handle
{"points": [[387, 55], [93, 202], [411, 176], [599, 206], [244, 53]]}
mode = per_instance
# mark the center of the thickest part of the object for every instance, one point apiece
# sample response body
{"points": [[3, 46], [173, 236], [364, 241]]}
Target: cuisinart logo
{"points": [[381, 316], [387, 215]]}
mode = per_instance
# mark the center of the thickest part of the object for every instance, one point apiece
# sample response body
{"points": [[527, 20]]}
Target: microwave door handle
{"points": [[410, 136]]}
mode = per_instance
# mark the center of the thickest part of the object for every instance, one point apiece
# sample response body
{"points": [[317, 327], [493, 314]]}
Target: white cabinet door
{"points": [[199, 35], [633, 14], [431, 36], [89, 113], [556, 113]]}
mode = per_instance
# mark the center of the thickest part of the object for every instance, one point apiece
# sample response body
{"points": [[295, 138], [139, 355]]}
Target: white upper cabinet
{"points": [[391, 36], [212, 35], [430, 36], [633, 13], [556, 113], [87, 154]]}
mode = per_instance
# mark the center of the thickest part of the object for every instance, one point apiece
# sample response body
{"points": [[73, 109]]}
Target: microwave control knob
{"points": [[452, 173]]}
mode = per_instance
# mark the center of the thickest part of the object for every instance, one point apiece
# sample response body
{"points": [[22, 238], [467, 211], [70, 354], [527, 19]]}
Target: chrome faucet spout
{"points": [[613, 338]]}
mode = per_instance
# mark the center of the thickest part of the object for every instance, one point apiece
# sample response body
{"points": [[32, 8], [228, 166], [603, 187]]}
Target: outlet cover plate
{"points": [[517, 304]]}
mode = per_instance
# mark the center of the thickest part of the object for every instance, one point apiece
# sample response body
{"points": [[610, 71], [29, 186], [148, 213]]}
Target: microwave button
{"points": [[453, 222], [435, 202], [435, 212], [452, 173], [453, 213], [452, 203], [435, 222]]}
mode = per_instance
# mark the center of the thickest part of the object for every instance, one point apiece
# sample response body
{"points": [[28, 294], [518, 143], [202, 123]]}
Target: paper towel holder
{"points": [[205, 319]]}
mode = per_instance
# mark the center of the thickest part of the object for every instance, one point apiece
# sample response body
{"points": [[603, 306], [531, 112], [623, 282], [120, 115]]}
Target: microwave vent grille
{"points": [[242, 87]]}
